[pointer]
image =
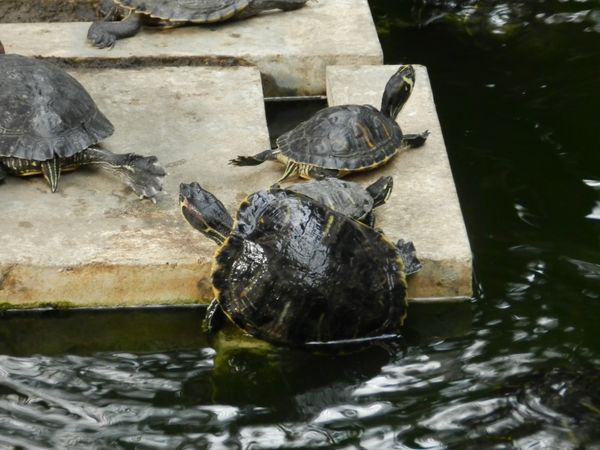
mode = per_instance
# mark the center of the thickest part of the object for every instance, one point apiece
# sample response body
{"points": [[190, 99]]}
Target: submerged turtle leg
{"points": [[409, 256], [214, 319], [104, 34], [142, 173], [415, 140], [258, 6], [51, 170], [255, 160]]}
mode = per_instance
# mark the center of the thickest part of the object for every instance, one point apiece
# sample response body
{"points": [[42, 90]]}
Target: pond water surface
{"points": [[518, 93]]}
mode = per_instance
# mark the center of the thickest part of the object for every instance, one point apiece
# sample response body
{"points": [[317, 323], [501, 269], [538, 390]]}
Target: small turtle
{"points": [[343, 139], [347, 197], [49, 124], [175, 12], [293, 272]]}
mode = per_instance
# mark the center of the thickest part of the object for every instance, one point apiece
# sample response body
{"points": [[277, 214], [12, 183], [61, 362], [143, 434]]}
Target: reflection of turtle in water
{"points": [[176, 12], [49, 124], [294, 272], [343, 139]]}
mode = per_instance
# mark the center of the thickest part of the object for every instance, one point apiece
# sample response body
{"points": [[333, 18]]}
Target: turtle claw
{"points": [[100, 37], [144, 175]]}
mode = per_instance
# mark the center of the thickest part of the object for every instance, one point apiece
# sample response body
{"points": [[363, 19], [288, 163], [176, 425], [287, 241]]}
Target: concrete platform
{"points": [[291, 49], [424, 206], [93, 243]]}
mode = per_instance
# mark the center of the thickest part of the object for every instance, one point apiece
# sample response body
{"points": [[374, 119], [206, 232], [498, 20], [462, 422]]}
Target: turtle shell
{"points": [[294, 272], [345, 197], [45, 112], [346, 137], [198, 11]]}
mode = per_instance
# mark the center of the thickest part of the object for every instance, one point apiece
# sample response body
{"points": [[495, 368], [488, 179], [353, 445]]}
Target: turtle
{"points": [[295, 273], [344, 139], [347, 197], [49, 124], [175, 12]]}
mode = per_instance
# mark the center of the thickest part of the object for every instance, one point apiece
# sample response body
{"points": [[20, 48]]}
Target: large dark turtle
{"points": [[293, 272], [343, 139], [176, 12], [49, 124]]}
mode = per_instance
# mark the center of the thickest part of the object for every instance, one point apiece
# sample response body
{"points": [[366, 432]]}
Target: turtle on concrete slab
{"points": [[293, 272], [343, 139], [175, 12], [49, 124], [347, 197]]}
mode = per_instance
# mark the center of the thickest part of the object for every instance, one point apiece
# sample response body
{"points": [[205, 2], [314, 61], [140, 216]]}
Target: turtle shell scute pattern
{"points": [[345, 137], [294, 272], [198, 11], [45, 112]]}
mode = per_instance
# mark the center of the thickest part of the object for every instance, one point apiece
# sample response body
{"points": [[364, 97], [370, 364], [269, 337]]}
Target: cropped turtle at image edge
{"points": [[167, 13], [49, 124]]}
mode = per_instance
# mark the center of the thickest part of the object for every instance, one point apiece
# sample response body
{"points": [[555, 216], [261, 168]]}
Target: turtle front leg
{"points": [[104, 34], [409, 256], [214, 319], [142, 173]]}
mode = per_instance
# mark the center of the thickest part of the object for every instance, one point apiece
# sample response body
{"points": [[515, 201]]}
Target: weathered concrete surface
{"points": [[424, 206], [93, 242], [291, 49]]}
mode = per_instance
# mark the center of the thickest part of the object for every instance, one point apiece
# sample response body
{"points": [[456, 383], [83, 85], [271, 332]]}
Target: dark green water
{"points": [[517, 86]]}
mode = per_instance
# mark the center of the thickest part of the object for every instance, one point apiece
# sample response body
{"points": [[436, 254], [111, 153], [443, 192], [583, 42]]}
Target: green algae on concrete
{"points": [[291, 49]]}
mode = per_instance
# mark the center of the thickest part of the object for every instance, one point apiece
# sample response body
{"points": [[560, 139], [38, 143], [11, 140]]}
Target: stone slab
{"points": [[94, 243], [291, 49], [424, 206]]}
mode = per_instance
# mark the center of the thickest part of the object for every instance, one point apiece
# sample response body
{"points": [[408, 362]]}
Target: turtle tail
{"points": [[255, 160], [409, 256], [2, 51]]}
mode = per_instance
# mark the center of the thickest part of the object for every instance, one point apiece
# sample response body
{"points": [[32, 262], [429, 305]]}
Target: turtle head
{"points": [[204, 212], [381, 190], [397, 91]]}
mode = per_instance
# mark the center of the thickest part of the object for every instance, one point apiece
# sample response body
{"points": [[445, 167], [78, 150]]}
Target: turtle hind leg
{"points": [[409, 257], [51, 171], [104, 34], [3, 173], [255, 160], [415, 140], [142, 173], [214, 319]]}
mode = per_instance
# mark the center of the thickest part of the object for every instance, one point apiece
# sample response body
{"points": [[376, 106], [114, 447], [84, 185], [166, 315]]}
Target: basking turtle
{"points": [[49, 124], [343, 139], [347, 197], [176, 12], [293, 272]]}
